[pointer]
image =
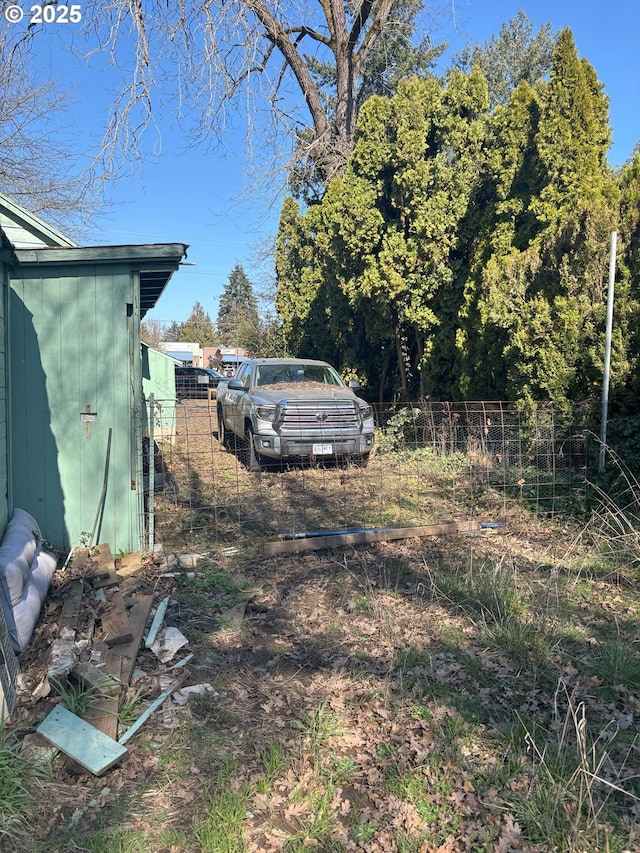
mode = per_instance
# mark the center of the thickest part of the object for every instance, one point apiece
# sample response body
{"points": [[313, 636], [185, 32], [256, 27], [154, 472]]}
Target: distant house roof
{"points": [[147, 345], [227, 350], [232, 358], [183, 346]]}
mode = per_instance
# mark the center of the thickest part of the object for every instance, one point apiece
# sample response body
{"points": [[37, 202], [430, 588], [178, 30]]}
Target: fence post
{"points": [[607, 350], [152, 474]]}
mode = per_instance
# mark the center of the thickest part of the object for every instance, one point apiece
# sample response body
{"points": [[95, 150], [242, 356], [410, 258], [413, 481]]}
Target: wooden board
{"points": [[104, 581], [364, 537], [98, 565], [138, 617], [105, 718], [98, 560], [82, 742], [115, 622], [130, 564], [71, 605], [97, 678]]}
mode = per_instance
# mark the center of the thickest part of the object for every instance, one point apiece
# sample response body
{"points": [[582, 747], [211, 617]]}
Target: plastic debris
{"points": [[194, 691], [167, 643]]}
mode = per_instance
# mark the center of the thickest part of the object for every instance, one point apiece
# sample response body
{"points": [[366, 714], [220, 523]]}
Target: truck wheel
{"points": [[252, 460], [223, 434], [360, 461]]}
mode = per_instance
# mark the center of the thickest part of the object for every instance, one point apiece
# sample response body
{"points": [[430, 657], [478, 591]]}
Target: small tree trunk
{"points": [[383, 375], [419, 365], [402, 368]]}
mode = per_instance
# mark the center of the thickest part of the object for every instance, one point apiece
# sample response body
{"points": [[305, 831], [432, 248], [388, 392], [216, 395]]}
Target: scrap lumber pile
{"points": [[103, 622]]}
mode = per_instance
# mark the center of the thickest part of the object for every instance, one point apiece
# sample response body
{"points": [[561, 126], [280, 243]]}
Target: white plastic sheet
{"points": [[26, 571]]}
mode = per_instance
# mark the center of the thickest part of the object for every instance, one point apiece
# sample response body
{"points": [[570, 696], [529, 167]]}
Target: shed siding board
{"points": [[135, 403], [4, 467], [77, 318], [159, 375], [21, 237], [159, 380], [24, 235], [24, 229]]}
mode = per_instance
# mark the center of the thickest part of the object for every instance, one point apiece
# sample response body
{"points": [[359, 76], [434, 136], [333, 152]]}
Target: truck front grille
{"points": [[322, 417]]}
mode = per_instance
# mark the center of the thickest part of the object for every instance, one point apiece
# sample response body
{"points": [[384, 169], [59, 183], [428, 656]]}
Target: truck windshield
{"points": [[274, 374]]}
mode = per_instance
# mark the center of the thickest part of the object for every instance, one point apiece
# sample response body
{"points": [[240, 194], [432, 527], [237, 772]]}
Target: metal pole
{"points": [[152, 474], [607, 350]]}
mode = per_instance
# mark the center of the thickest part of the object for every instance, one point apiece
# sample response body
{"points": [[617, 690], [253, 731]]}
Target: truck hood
{"points": [[302, 392]]}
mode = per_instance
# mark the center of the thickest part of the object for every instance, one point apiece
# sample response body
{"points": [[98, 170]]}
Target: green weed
{"points": [[526, 640], [225, 806], [130, 709], [272, 760], [486, 591], [79, 698], [574, 779], [616, 663], [364, 832], [16, 799], [318, 727]]}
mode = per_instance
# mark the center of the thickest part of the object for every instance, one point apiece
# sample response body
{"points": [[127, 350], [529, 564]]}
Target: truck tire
{"points": [[223, 434], [360, 461], [252, 460]]}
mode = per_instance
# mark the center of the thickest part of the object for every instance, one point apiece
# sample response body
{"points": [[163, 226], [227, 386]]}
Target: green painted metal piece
{"points": [[145, 716], [181, 663], [81, 741], [157, 622]]}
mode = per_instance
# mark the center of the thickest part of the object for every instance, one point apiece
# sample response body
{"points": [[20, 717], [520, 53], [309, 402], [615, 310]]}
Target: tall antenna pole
{"points": [[607, 350]]}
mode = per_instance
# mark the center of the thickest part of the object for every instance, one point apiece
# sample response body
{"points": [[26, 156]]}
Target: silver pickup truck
{"points": [[285, 408]]}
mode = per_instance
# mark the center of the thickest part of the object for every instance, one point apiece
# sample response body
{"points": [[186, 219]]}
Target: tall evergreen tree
{"points": [[626, 392], [198, 327], [372, 261], [237, 311], [514, 56], [533, 312], [465, 250], [172, 331]]}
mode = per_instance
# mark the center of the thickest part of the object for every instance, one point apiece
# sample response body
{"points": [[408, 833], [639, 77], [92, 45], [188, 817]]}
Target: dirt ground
{"points": [[347, 664]]}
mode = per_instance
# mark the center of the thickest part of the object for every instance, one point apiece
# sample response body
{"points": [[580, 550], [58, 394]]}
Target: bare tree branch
{"points": [[40, 166], [212, 56]]}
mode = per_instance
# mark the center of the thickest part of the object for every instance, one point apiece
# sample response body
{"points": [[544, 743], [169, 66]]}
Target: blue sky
{"points": [[197, 197]]}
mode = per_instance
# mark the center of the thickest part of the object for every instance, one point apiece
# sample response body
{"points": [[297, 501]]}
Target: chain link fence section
{"points": [[431, 462]]}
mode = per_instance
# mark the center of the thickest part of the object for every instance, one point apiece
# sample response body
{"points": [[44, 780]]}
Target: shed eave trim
{"points": [[146, 254]]}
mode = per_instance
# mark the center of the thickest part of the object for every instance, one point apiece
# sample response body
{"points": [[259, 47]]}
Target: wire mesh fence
{"points": [[9, 671], [430, 462]]}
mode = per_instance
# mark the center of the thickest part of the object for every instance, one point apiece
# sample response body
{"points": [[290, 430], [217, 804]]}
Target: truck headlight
{"points": [[266, 413], [366, 412]]}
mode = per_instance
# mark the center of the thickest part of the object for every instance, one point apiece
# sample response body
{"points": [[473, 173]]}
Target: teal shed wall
{"points": [[159, 380], [4, 405], [75, 349]]}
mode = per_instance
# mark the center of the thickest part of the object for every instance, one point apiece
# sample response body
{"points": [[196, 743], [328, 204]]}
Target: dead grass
{"points": [[441, 694]]}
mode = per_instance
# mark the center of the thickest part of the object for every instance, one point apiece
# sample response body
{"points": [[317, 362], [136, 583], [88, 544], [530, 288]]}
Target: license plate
{"points": [[322, 449], [203, 380]]}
